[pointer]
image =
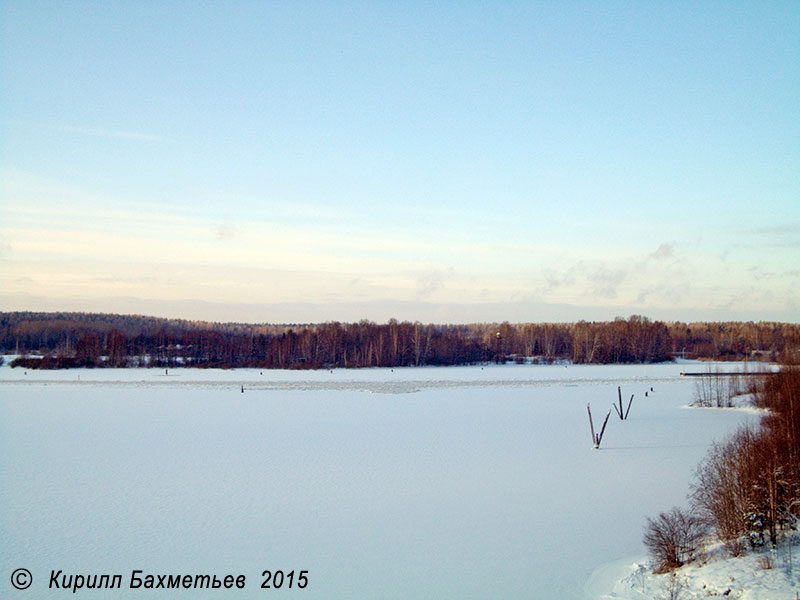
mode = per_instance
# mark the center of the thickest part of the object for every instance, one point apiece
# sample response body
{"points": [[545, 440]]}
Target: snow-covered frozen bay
{"points": [[445, 483]]}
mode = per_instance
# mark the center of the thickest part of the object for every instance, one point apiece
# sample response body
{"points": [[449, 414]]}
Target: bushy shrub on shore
{"points": [[672, 538]]}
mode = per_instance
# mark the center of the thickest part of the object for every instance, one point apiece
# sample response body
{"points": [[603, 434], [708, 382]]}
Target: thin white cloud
{"points": [[5, 247], [663, 252], [224, 232], [788, 229], [73, 242], [605, 282], [429, 283]]}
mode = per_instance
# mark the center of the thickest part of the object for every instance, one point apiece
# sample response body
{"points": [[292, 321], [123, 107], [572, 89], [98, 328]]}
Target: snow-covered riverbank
{"points": [[763, 574]]}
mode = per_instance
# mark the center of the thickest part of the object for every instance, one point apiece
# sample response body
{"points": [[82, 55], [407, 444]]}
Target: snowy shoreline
{"points": [[759, 574], [763, 574]]}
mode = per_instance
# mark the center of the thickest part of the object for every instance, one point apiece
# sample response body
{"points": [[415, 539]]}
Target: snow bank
{"points": [[762, 575]]}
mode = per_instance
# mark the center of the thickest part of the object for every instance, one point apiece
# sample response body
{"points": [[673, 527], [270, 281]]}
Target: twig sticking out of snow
{"points": [[622, 414], [597, 438], [619, 410], [629, 407]]}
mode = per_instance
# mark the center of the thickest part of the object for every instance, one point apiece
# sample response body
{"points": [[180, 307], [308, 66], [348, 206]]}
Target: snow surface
{"points": [[741, 402], [766, 574], [457, 482]]}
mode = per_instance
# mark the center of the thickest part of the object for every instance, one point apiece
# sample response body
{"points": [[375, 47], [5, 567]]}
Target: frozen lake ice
{"points": [[445, 483]]}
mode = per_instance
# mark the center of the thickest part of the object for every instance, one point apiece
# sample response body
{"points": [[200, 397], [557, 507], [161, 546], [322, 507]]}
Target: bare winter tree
{"points": [[746, 488], [719, 492], [672, 538]]}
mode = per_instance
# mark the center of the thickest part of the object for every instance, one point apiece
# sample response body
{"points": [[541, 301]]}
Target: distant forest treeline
{"points": [[85, 339]]}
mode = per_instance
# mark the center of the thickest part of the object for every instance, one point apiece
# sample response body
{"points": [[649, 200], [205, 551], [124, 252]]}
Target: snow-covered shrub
{"points": [[672, 538], [672, 588]]}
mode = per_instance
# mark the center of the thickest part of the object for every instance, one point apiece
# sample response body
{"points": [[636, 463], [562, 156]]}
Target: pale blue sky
{"points": [[434, 161]]}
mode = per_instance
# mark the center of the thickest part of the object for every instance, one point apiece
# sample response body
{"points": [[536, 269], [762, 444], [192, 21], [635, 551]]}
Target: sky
{"points": [[436, 161]]}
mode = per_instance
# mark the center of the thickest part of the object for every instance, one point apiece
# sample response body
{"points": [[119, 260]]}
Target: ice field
{"points": [[443, 483]]}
